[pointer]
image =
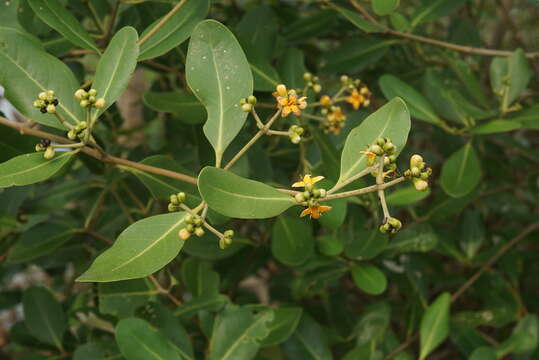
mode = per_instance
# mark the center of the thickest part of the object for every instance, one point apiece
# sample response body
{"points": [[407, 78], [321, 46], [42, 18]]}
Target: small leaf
{"points": [[391, 120], [183, 105], [237, 334], [308, 342], [115, 67], [461, 172], [509, 77], [234, 196], [406, 196], [199, 278], [122, 298], [43, 316], [496, 126], [140, 341], [54, 14], [484, 353], [384, 7], [175, 31], [434, 325], [420, 108], [31, 168], [292, 241], [358, 20], [472, 232], [435, 9], [219, 75], [284, 323], [416, 238], [291, 67], [140, 250], [369, 279]]}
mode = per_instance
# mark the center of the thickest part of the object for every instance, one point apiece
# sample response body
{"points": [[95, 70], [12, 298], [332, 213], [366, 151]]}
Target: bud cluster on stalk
{"points": [[89, 99], [382, 147], [46, 102], [310, 196], [45, 145], [418, 172], [391, 226], [312, 82], [294, 133]]}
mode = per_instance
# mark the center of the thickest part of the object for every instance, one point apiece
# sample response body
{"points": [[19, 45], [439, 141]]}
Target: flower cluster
{"points": [[390, 226], [248, 103], [226, 240], [312, 82], [194, 226], [382, 147], [359, 94], [46, 102], [89, 99], [288, 101], [294, 133], [310, 197], [80, 131], [418, 172], [175, 201], [334, 121], [45, 145]]}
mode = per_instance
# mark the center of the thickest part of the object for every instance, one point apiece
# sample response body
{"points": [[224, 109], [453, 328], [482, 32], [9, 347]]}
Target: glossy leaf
{"points": [[175, 31], [122, 298], [116, 66], [384, 7], [308, 342], [472, 232], [391, 120], [366, 244], [38, 241], [291, 67], [369, 278], [406, 196], [284, 323], [23, 79], [234, 196], [44, 316], [434, 325], [237, 334], [461, 172], [140, 341], [358, 20], [509, 77], [31, 168], [484, 353], [183, 105], [435, 9], [218, 73], [418, 237], [140, 250], [199, 278], [496, 126], [54, 14], [419, 107], [292, 241]]}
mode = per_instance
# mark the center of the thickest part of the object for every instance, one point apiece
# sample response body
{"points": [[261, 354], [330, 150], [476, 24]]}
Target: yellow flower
{"points": [[315, 211], [288, 101], [358, 98], [325, 101], [307, 180], [335, 120]]}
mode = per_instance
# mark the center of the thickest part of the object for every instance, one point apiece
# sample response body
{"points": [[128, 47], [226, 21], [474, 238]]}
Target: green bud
{"points": [[386, 161], [229, 233], [190, 228], [50, 94], [392, 166], [316, 193], [307, 76], [306, 194], [71, 135], [39, 147], [309, 187], [392, 158], [389, 148], [312, 202], [181, 196], [324, 111], [317, 88], [51, 109], [80, 94], [42, 96], [384, 228], [247, 107], [323, 193], [416, 160], [100, 103], [424, 175], [188, 219], [344, 79], [183, 234], [251, 100], [92, 92], [172, 208], [49, 153], [222, 243], [415, 172], [299, 130], [420, 184], [377, 149], [199, 232], [380, 141], [294, 138], [299, 198], [407, 174], [174, 200], [197, 221], [84, 103], [243, 101], [91, 99], [38, 104]]}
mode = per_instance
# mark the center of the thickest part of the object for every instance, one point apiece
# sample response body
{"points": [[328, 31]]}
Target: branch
{"points": [[101, 156], [161, 23]]}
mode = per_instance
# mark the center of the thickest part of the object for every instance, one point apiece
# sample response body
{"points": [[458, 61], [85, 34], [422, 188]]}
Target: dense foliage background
{"points": [[459, 281]]}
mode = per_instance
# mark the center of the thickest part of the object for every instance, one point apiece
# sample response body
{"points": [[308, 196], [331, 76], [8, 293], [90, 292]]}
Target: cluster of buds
{"points": [[382, 147], [46, 102], [418, 172], [311, 196], [175, 201], [80, 131], [288, 101], [390, 226], [226, 240], [248, 103], [89, 99], [194, 226], [45, 145], [359, 94], [334, 121], [312, 82], [294, 133]]}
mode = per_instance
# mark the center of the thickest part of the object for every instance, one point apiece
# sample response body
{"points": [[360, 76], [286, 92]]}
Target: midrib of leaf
{"points": [[130, 293], [263, 74], [39, 85], [36, 167], [42, 312], [464, 161], [430, 337], [59, 18], [148, 349], [148, 248], [251, 196], [307, 347], [165, 37], [190, 307], [426, 12], [239, 340], [220, 125]]}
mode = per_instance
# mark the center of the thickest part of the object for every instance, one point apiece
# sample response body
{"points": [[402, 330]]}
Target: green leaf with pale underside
{"points": [[461, 172], [434, 325]]}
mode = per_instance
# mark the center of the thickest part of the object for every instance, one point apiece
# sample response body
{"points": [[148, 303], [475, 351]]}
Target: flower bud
{"points": [[247, 107], [299, 130], [80, 94], [91, 99], [392, 158], [92, 92], [309, 187], [229, 233], [190, 228], [317, 88], [344, 79], [183, 234], [39, 147], [384, 228], [299, 198], [38, 104], [100, 103], [251, 100], [323, 193], [424, 175], [281, 90], [416, 160], [42, 96], [172, 207], [84, 103], [188, 219], [389, 148], [324, 112], [197, 221], [181, 196], [306, 194], [199, 232], [295, 138], [71, 135], [376, 149], [394, 223], [316, 193], [307, 76], [421, 185], [51, 109], [243, 101], [386, 161], [50, 94], [49, 153], [415, 172], [325, 100], [312, 202], [174, 200]]}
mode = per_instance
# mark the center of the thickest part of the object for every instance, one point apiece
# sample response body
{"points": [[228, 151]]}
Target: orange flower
{"points": [[315, 211], [288, 101], [356, 99], [307, 179], [325, 101]]}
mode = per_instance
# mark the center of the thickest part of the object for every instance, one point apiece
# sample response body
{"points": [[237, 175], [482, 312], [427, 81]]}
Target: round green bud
{"points": [[299, 198], [312, 202], [407, 173], [174, 200], [309, 187], [316, 193], [424, 175], [415, 171], [80, 94], [344, 79], [386, 161], [197, 221], [243, 101], [71, 135], [38, 104], [392, 158], [39, 147], [392, 166], [376, 149], [299, 130], [228, 240], [190, 228], [416, 160], [188, 219], [184, 234], [306, 194], [316, 78], [384, 228], [307, 76], [323, 193], [84, 103], [100, 103], [49, 153], [172, 207], [394, 222], [247, 107], [51, 109], [251, 100], [295, 138], [92, 92], [380, 141], [91, 99], [199, 232], [181, 196], [228, 233], [82, 125], [42, 96], [389, 148], [50, 94], [317, 88], [421, 185]]}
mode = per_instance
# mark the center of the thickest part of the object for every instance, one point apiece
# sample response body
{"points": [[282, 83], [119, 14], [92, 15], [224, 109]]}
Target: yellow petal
{"points": [[305, 212], [286, 111], [298, 184], [316, 179], [324, 208]]}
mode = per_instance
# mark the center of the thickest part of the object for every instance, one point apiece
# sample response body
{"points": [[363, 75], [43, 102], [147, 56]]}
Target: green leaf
{"points": [[435, 9], [330, 245], [461, 172], [391, 120], [355, 55], [308, 342], [291, 67], [89, 351], [175, 31], [234, 196], [122, 298], [496, 126], [284, 323], [265, 77], [38, 241], [140, 341], [484, 353], [54, 14], [201, 303], [384, 7], [472, 232], [366, 244], [115, 67], [199, 278], [218, 73], [43, 316], [237, 334], [259, 26], [416, 238], [140, 250], [26, 70], [31, 168], [406, 196], [434, 327], [358, 20], [467, 77], [369, 279], [12, 143], [509, 77], [529, 118], [420, 108], [185, 106], [524, 338], [292, 241]]}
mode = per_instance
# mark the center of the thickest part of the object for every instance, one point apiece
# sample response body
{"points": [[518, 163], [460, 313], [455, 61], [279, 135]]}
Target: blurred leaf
{"points": [[416, 238], [140, 250], [355, 55], [496, 126], [12, 143], [314, 24], [206, 248], [484, 353], [89, 351], [292, 241], [369, 278], [399, 22], [308, 342], [199, 278], [472, 232], [291, 67], [122, 298], [184, 105], [330, 245], [528, 118], [259, 26], [374, 324], [524, 338], [509, 77], [218, 74], [434, 325], [467, 77], [367, 244], [284, 323], [206, 303], [265, 77], [406, 196], [384, 7], [358, 20], [461, 172], [435, 9]]}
